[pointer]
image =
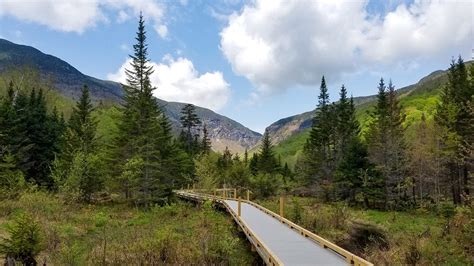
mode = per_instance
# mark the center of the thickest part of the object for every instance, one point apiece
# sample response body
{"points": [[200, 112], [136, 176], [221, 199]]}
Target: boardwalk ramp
{"points": [[278, 240]]}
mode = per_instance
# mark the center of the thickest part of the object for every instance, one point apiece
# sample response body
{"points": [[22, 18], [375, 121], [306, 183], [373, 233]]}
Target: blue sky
{"points": [[253, 61]]}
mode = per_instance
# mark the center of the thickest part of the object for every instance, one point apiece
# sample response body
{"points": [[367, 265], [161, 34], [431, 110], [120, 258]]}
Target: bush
{"points": [[266, 185], [84, 177], [447, 209], [25, 241]]}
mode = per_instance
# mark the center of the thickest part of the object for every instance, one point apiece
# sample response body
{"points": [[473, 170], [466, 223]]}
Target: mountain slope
{"points": [[223, 131], [290, 133], [286, 127]]}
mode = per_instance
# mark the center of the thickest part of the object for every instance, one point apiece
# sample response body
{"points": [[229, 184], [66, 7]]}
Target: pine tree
{"points": [[145, 132], [454, 118], [82, 125], [357, 179], [78, 168], [386, 145], [205, 142], [267, 163], [347, 126], [189, 122], [246, 157], [317, 165], [36, 143]]}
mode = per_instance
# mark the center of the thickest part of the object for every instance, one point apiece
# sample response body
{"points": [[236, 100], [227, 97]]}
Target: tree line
{"points": [[377, 167], [382, 167]]}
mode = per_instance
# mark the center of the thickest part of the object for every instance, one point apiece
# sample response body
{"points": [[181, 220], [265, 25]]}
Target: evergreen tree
{"points": [[454, 119], [357, 179], [267, 163], [317, 165], [189, 122], [205, 142], [385, 137], [35, 136], [246, 157], [145, 132], [347, 126], [82, 125], [78, 170]]}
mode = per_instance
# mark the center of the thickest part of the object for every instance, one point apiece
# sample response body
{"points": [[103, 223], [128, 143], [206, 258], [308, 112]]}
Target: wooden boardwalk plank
{"points": [[287, 244]]}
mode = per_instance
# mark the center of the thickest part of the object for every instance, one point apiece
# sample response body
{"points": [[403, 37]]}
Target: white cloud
{"points": [[278, 44], [59, 15], [178, 80], [80, 15], [162, 30]]}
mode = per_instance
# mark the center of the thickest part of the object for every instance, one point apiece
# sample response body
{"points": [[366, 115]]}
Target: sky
{"points": [[255, 61]]}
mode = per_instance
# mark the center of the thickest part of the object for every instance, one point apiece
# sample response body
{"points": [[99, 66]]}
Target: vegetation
{"points": [[424, 236], [116, 233], [76, 191]]}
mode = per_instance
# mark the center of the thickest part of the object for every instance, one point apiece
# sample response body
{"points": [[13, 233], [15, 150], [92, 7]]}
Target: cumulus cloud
{"points": [[178, 80], [277, 44], [80, 15]]}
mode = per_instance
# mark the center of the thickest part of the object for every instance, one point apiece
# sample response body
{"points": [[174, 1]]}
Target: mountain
{"points": [[290, 134], [286, 127], [223, 131]]}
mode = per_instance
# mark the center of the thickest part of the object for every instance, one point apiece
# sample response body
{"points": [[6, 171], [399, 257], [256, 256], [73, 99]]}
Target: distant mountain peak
{"points": [[223, 131]]}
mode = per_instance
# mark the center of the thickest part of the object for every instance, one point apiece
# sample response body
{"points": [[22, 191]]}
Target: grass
{"points": [[385, 237], [118, 234]]}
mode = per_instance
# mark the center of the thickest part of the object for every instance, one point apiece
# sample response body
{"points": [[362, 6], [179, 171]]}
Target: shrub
{"points": [[296, 211], [25, 241], [447, 209], [266, 185]]}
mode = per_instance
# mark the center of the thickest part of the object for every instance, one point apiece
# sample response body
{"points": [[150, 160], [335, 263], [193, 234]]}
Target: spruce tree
{"points": [[82, 125], [145, 133], [246, 157], [386, 145], [317, 165], [78, 168], [189, 122], [267, 163], [454, 117], [205, 142]]}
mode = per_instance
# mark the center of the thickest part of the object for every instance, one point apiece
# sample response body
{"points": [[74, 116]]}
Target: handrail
{"points": [[348, 256]]}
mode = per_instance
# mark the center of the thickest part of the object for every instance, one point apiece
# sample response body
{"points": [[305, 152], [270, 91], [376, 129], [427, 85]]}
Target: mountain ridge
{"points": [[223, 131], [284, 128]]}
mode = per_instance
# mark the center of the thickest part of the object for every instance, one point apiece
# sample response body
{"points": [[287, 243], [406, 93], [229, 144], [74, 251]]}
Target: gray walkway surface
{"points": [[287, 244]]}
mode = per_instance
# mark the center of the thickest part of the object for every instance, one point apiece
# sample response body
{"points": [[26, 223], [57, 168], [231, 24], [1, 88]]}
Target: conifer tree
{"points": [[189, 122], [205, 142], [454, 118], [82, 125], [78, 169], [267, 163], [145, 132], [385, 137], [317, 165], [347, 126], [246, 157]]}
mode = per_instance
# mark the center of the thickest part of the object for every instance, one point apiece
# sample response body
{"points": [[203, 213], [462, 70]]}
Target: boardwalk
{"points": [[277, 240]]}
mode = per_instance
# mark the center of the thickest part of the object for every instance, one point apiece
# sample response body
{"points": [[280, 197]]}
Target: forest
{"points": [[78, 188]]}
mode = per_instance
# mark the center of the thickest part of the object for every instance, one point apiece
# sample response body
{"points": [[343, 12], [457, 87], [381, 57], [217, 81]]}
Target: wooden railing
{"points": [[264, 251]]}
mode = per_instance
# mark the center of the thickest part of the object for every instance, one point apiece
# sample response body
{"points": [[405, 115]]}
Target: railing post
{"points": [[248, 194], [282, 206], [223, 193], [194, 186], [239, 210], [235, 193], [214, 193], [188, 186]]}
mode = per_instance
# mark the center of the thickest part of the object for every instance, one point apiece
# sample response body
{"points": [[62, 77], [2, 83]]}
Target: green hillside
{"points": [[415, 99]]}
